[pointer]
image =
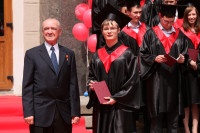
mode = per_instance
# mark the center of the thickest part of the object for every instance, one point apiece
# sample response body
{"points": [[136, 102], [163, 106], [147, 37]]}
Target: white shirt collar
{"points": [[131, 26], [48, 46], [136, 29], [168, 32]]}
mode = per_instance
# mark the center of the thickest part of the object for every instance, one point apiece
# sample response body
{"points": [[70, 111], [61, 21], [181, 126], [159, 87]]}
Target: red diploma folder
{"points": [[170, 60], [101, 90], [193, 53]]}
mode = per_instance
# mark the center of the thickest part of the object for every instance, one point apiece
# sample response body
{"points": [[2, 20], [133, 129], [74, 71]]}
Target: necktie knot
{"points": [[52, 48]]}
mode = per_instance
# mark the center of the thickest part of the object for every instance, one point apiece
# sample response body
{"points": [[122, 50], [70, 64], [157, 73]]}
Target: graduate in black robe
{"points": [[191, 28], [132, 34], [163, 83], [117, 66], [178, 21]]}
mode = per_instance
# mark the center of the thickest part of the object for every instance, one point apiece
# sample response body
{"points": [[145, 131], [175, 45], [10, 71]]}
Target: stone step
{"points": [[84, 110], [6, 92], [87, 113]]}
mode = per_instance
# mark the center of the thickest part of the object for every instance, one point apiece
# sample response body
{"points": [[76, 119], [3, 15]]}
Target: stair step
{"points": [[12, 123], [84, 111], [8, 106], [16, 131], [88, 122], [76, 128]]}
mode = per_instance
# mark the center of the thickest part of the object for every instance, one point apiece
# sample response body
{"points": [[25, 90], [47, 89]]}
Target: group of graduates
{"points": [[148, 55]]}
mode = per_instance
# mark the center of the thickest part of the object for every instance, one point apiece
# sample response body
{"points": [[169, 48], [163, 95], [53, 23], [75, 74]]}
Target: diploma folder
{"points": [[101, 90], [170, 60], [193, 53]]}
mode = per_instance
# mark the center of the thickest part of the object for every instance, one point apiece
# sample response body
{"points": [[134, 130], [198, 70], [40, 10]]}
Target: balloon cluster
{"points": [[81, 30]]}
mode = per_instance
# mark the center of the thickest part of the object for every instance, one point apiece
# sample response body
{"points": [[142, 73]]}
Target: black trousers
{"points": [[58, 126], [158, 122]]}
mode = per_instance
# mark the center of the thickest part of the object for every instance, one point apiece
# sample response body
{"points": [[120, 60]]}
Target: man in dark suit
{"points": [[50, 93]]}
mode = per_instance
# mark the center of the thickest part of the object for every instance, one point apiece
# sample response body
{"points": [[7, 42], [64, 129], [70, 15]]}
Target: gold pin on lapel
{"points": [[67, 57]]}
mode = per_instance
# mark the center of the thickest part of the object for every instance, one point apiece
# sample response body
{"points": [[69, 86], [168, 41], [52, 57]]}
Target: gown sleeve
{"points": [[147, 58], [92, 96], [130, 94]]}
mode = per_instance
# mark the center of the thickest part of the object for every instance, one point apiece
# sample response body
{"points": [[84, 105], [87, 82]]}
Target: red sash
{"points": [[137, 36], [178, 23], [108, 59], [193, 37], [167, 42], [142, 2]]}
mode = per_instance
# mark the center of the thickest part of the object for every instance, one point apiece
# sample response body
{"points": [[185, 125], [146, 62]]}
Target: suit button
{"points": [[57, 87]]}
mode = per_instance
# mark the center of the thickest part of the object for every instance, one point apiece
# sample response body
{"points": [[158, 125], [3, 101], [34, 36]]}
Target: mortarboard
{"points": [[109, 12], [167, 10], [195, 3], [132, 3], [183, 4]]}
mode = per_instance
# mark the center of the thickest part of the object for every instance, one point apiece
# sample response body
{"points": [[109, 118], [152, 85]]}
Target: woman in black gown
{"points": [[191, 28]]}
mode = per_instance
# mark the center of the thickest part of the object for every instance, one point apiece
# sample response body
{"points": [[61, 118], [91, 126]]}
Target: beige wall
{"points": [[26, 35]]}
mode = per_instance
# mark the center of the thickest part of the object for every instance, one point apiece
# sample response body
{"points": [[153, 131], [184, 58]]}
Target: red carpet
{"points": [[11, 117]]}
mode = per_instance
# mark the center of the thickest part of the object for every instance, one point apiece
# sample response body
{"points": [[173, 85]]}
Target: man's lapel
{"points": [[62, 57], [44, 54]]}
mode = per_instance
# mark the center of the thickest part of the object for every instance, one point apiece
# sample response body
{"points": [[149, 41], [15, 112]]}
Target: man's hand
{"points": [[29, 120], [181, 59], [160, 59], [75, 120], [91, 85], [193, 65], [110, 102]]}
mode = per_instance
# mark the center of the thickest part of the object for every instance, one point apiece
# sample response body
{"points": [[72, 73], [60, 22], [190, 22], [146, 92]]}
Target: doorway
{"points": [[6, 45]]}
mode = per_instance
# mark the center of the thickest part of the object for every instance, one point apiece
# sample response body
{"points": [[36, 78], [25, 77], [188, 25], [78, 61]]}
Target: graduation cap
{"points": [[183, 4], [132, 3], [110, 13], [195, 3], [167, 10]]}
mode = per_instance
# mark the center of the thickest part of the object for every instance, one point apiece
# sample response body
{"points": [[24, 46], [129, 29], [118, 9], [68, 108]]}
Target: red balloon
{"points": [[92, 42], [87, 18], [90, 4], [80, 32], [80, 9]]}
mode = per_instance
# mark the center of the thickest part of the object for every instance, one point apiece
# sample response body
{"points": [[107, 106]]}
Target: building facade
{"points": [[22, 30]]}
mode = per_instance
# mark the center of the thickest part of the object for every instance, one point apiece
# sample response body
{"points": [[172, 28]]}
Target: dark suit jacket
{"points": [[43, 91]]}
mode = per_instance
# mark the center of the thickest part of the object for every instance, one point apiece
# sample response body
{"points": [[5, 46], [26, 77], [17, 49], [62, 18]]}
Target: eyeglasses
{"points": [[168, 22], [109, 29]]}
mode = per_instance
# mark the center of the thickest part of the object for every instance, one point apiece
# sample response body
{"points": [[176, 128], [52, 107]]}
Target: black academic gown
{"points": [[122, 79], [191, 77], [163, 83], [132, 39], [130, 42], [150, 12]]}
